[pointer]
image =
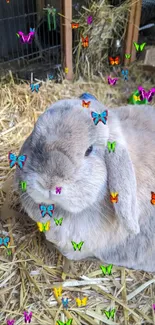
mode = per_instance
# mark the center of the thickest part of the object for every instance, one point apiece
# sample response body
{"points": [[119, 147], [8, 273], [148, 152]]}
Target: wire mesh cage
{"points": [[43, 54]]}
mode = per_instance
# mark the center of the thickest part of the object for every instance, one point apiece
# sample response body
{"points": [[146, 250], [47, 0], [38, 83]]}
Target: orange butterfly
{"points": [[114, 60], [114, 197], [85, 41], [85, 104], [153, 198], [75, 25]]}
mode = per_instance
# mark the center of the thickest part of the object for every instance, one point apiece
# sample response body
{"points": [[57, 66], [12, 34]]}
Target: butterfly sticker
{"points": [[127, 56], [106, 269], [32, 30], [35, 87], [146, 95], [85, 41], [58, 190], [153, 198], [58, 292], [43, 226], [23, 185], [75, 25], [4, 241], [136, 98], [58, 221], [16, 160], [114, 197], [68, 322], [89, 20], [111, 81], [27, 317], [50, 76], [110, 313], [77, 246], [85, 104], [46, 210], [99, 117], [81, 302], [153, 306], [114, 60], [111, 146], [26, 38], [65, 302], [139, 47], [10, 322], [66, 70], [125, 74]]}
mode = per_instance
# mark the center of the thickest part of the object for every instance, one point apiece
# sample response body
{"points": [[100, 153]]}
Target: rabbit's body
{"points": [[122, 233]]}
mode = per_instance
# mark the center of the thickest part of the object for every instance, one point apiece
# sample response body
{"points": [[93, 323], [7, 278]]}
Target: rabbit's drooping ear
{"points": [[122, 180]]}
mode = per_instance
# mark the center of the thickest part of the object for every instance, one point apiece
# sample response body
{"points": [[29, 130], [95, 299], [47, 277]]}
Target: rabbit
{"points": [[66, 149]]}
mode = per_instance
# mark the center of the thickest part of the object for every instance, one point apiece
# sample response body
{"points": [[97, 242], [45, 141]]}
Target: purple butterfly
{"points": [[153, 306], [89, 20], [146, 94], [27, 316], [112, 81], [10, 321], [27, 38], [58, 190]]}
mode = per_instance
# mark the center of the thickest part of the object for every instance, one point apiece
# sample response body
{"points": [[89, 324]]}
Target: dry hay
{"points": [[109, 23], [27, 278]]}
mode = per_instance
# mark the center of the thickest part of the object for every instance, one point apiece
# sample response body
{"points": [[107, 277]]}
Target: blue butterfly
{"points": [[99, 117], [46, 210], [32, 29], [50, 76], [35, 87], [87, 96], [125, 74], [65, 302], [4, 241], [16, 160]]}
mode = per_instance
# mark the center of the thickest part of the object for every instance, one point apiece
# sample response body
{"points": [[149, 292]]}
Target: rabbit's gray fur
{"points": [[122, 233]]}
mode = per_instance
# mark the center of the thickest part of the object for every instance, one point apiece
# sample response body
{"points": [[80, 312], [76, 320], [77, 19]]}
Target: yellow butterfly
{"points": [[136, 98], [43, 226], [58, 291], [81, 302], [66, 70]]}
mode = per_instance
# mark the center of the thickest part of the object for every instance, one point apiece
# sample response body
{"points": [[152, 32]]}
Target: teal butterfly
{"points": [[58, 221], [106, 269], [79, 246], [139, 47], [111, 146], [110, 313], [4, 241], [68, 322]]}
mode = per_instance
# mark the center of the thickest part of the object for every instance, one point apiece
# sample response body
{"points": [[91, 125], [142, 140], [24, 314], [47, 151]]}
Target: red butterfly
{"points": [[85, 41], [153, 198], [114, 60], [85, 104], [75, 25]]}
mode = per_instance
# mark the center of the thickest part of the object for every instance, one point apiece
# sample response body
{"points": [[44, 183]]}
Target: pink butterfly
{"points": [[27, 316], [153, 306], [58, 190], [112, 81], [27, 38], [10, 322], [146, 94]]}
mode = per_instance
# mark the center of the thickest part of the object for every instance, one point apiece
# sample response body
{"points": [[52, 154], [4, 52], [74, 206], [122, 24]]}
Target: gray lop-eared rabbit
{"points": [[66, 149]]}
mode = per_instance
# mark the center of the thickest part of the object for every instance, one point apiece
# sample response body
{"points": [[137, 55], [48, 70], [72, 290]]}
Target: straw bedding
{"points": [[28, 276]]}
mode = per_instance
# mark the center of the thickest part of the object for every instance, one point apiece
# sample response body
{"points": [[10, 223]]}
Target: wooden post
{"points": [[133, 30], [67, 37], [39, 6]]}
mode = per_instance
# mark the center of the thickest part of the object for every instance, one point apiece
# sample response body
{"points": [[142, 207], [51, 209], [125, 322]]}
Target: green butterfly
{"points": [[111, 146], [139, 47], [110, 313], [127, 56], [79, 246], [106, 269], [58, 221], [69, 322]]}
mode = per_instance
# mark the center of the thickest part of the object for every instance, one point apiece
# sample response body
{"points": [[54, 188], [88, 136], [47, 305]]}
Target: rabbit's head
{"points": [[66, 149]]}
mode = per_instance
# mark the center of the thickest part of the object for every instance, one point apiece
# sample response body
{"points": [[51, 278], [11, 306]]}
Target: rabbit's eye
{"points": [[89, 150]]}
